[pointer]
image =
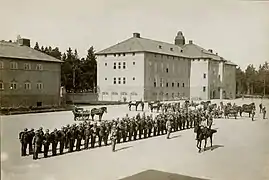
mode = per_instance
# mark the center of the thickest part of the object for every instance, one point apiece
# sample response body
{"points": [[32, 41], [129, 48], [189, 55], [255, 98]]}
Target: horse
{"points": [[155, 105], [204, 135], [98, 111], [136, 103], [247, 108]]}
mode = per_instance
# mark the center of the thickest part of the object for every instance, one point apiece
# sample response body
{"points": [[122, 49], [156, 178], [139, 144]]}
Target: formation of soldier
{"points": [[70, 137]]}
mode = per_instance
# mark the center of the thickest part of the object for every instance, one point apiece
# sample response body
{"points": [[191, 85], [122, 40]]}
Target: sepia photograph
{"points": [[134, 90]]}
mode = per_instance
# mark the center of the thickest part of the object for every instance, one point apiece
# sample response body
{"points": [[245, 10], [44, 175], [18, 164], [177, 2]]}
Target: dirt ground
{"points": [[240, 151]]}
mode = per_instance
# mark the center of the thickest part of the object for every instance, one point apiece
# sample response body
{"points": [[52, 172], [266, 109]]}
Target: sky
{"points": [[236, 30]]}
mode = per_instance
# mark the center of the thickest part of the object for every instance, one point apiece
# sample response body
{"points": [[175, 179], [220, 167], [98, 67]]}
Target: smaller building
{"points": [[28, 77]]}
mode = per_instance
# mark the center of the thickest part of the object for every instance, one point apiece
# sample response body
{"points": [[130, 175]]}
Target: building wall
{"points": [[49, 77], [133, 89], [214, 79], [197, 80], [177, 77], [229, 81]]}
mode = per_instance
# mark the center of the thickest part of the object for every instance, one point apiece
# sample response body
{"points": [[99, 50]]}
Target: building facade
{"points": [[145, 69], [28, 77]]}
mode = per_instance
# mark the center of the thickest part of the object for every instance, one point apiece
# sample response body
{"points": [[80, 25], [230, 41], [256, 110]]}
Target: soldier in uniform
{"points": [[93, 135], [24, 137], [145, 127], [71, 138], [41, 133], [106, 132], [38, 139], [31, 135], [168, 127], [54, 141], [66, 136], [150, 125], [264, 112], [101, 134], [210, 120], [78, 137], [113, 137], [46, 143], [252, 114], [135, 128], [124, 130], [155, 127], [87, 134], [61, 139]]}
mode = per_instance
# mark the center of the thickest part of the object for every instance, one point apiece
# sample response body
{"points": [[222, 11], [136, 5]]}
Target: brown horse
{"points": [[99, 111]]}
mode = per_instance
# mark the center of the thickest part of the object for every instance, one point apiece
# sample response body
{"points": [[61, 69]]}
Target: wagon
{"points": [[81, 114]]}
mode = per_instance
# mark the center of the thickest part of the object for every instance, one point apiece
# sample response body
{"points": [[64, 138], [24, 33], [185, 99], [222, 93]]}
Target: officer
{"points": [[113, 137], [264, 112], [71, 138], [87, 134], [54, 141], [31, 135], [46, 143], [24, 137], [150, 125], [101, 134], [61, 139], [93, 135], [168, 127], [38, 139]]}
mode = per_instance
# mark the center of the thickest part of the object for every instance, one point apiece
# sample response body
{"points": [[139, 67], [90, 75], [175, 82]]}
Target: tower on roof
{"points": [[180, 39]]}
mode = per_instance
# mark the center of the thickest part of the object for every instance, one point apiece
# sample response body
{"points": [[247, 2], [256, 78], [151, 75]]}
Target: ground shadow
{"points": [[213, 147], [177, 136], [126, 147]]}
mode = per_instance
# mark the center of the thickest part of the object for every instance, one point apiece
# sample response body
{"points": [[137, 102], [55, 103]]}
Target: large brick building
{"points": [[140, 68], [28, 77]]}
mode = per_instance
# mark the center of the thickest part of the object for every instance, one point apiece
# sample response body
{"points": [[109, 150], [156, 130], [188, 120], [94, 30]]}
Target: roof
{"points": [[159, 175], [138, 44], [14, 50]]}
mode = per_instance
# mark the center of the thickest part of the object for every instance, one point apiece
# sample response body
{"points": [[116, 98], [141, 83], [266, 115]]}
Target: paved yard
{"points": [[241, 151]]}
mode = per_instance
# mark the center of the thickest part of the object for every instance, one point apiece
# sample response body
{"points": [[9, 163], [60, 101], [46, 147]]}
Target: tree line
{"points": [[253, 81], [77, 74]]}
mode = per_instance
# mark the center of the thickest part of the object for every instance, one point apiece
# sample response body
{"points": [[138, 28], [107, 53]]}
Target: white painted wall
{"points": [[197, 80], [131, 71]]}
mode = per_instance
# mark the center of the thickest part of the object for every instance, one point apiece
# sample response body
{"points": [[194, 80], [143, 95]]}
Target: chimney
{"points": [[136, 35], [24, 42], [210, 50], [190, 41]]}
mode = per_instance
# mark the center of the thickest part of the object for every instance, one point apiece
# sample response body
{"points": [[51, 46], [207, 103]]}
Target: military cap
{"points": [[47, 130], [25, 129]]}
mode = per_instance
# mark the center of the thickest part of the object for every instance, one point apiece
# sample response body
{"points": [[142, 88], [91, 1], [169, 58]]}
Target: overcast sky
{"points": [[237, 30]]}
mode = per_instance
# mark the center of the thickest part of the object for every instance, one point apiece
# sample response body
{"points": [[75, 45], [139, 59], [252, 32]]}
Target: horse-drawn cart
{"points": [[81, 114]]}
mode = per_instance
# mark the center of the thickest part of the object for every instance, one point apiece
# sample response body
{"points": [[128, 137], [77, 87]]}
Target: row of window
{"points": [[27, 86], [122, 93], [119, 65], [167, 84], [119, 80], [27, 66], [119, 54]]}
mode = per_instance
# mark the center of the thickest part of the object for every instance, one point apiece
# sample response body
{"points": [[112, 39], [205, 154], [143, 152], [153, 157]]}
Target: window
{"points": [[105, 93], [160, 47], [27, 66], [204, 88], [39, 67], [119, 54], [1, 85], [124, 65], [177, 84], [115, 81], [119, 80], [181, 50], [27, 85], [183, 85], [171, 49], [166, 84], [133, 54], [119, 65], [39, 85], [105, 79], [173, 84], [105, 55], [114, 55], [13, 65], [13, 85], [123, 54], [105, 64], [167, 70], [124, 80], [1, 65], [133, 78], [115, 65], [133, 63], [204, 75]]}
